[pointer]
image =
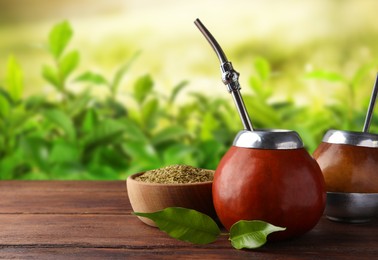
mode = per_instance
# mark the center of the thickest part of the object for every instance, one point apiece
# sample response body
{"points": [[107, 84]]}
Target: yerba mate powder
{"points": [[177, 174]]}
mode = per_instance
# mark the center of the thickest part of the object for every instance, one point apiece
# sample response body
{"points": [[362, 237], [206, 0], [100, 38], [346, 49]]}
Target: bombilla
{"points": [[230, 77], [369, 113]]}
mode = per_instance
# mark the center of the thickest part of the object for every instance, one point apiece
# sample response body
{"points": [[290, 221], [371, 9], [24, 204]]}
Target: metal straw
{"points": [[229, 76], [369, 113]]}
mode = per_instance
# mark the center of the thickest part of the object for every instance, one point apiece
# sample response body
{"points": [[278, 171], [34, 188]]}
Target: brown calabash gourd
{"points": [[349, 161]]}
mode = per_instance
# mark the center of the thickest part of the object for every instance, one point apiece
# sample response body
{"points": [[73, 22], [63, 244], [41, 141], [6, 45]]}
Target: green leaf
{"points": [[361, 73], [14, 79], [262, 68], [256, 84], [185, 224], [79, 103], [200, 99], [325, 75], [59, 37], [142, 153], [62, 120], [209, 125], [259, 88], [170, 133], [209, 152], [68, 63], [133, 131], [121, 72], [92, 77], [150, 112], [51, 75], [63, 152], [263, 113], [109, 156], [251, 234], [142, 87], [115, 109], [90, 121], [179, 154], [11, 164], [176, 90], [35, 150], [227, 114], [106, 132], [35, 102], [5, 102]]}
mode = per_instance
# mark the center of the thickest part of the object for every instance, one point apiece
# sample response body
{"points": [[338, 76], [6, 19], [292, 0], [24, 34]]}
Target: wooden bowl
{"points": [[151, 197]]}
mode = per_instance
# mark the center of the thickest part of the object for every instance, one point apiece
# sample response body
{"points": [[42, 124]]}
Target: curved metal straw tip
{"points": [[210, 38]]}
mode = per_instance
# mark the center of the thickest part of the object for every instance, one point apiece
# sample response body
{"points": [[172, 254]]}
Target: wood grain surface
{"points": [[93, 220]]}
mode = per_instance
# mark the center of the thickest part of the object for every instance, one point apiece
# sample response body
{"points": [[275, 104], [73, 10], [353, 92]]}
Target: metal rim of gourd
{"points": [[351, 138], [268, 139]]}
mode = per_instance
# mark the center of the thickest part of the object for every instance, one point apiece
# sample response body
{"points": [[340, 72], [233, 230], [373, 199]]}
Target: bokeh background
{"points": [[138, 87]]}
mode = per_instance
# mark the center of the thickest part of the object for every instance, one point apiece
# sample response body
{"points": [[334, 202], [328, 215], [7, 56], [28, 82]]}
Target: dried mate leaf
{"points": [[177, 174]]}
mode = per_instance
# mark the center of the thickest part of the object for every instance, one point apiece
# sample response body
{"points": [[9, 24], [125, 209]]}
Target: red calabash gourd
{"points": [[266, 175], [284, 187]]}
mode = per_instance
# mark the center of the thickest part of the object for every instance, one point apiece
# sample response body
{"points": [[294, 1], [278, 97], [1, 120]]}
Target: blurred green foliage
{"points": [[81, 135]]}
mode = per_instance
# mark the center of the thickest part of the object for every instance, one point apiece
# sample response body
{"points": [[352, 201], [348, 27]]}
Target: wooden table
{"points": [[88, 220]]}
